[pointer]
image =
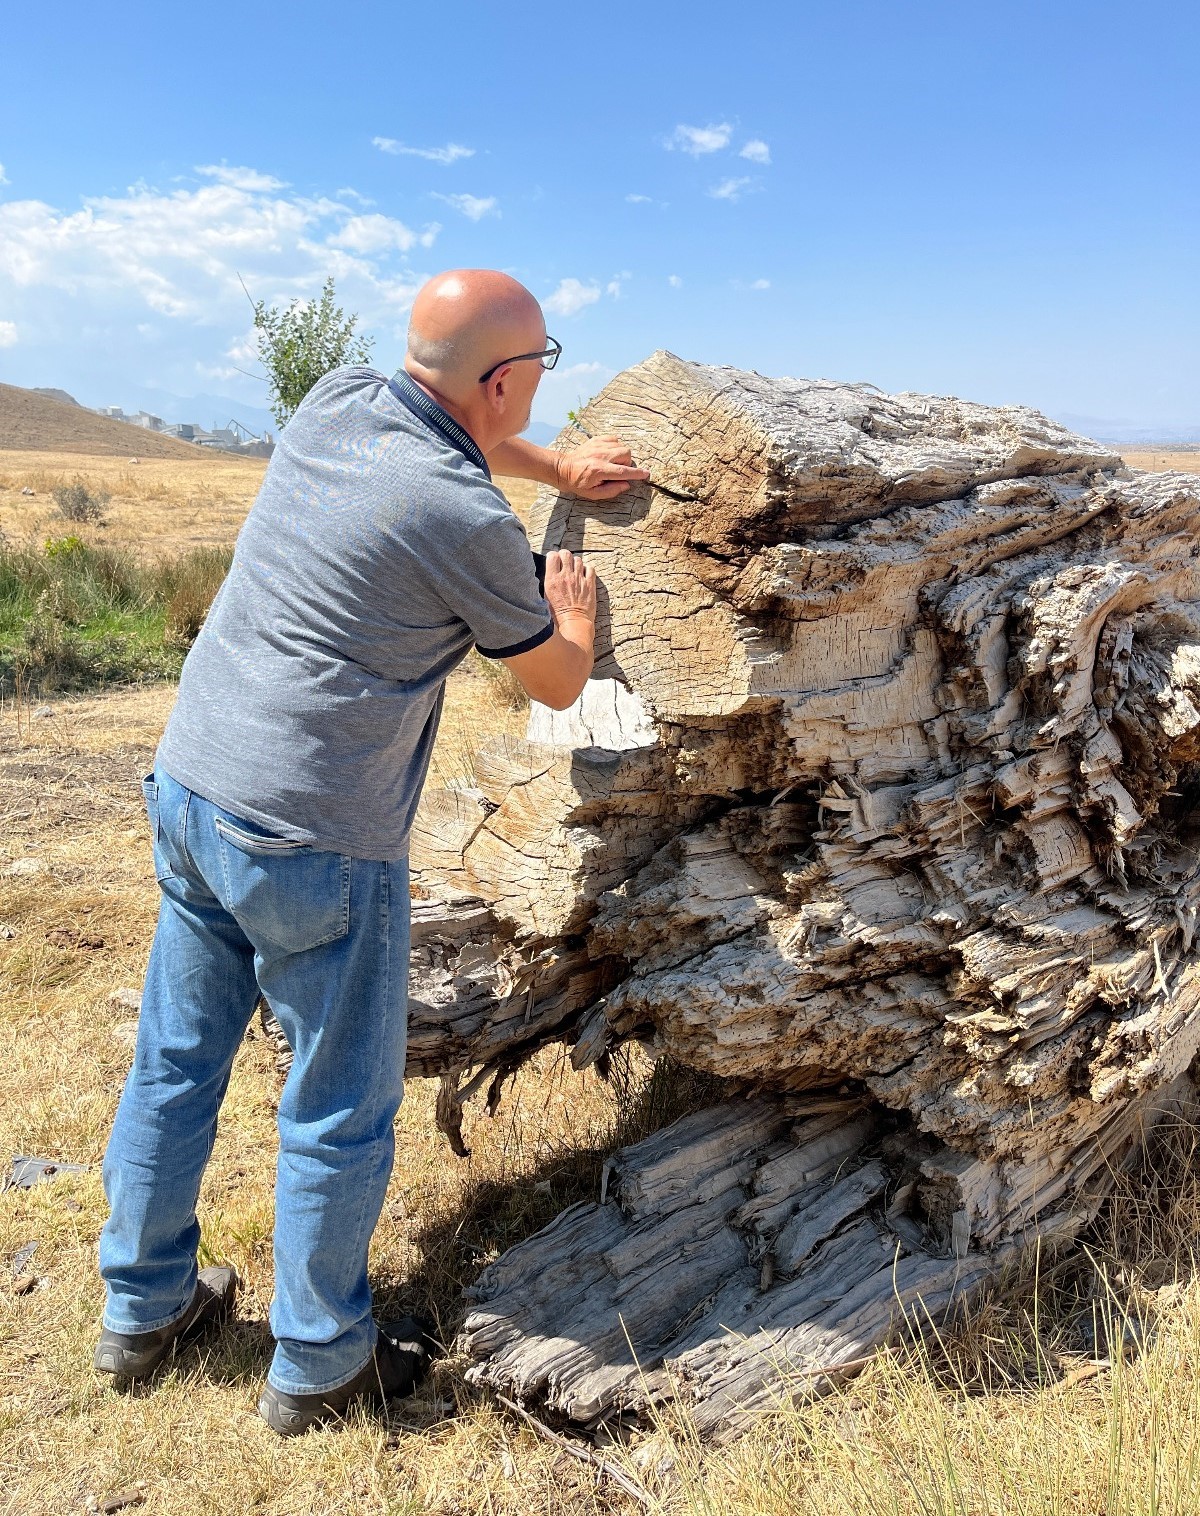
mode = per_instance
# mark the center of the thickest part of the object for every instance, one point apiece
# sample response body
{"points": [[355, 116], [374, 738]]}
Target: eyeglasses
{"points": [[548, 359]]}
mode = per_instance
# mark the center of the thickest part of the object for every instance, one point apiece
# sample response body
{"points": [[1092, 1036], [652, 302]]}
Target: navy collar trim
{"points": [[428, 410]]}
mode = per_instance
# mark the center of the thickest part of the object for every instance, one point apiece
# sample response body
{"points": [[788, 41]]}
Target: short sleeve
{"points": [[492, 585]]}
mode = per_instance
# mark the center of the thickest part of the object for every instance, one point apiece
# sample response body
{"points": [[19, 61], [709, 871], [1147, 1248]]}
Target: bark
{"points": [[886, 784]]}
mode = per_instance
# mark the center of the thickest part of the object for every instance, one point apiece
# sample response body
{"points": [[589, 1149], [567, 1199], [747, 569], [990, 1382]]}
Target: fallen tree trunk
{"points": [[883, 805]]}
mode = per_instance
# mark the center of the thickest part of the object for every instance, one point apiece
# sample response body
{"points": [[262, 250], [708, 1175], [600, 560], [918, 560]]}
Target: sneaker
{"points": [[136, 1355], [401, 1356]]}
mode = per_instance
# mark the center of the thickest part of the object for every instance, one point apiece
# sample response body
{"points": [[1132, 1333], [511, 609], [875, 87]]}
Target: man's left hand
{"points": [[600, 469]]}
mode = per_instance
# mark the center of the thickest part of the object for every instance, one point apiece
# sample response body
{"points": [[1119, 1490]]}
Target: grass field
{"points": [[160, 506], [1014, 1410]]}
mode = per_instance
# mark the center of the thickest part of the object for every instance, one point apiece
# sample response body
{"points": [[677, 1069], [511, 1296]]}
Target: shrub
{"points": [[76, 502]]}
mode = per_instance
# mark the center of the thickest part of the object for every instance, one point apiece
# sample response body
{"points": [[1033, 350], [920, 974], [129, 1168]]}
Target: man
{"points": [[378, 551]]}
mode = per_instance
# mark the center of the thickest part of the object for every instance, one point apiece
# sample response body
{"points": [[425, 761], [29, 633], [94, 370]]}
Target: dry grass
{"points": [[1157, 460], [1006, 1413], [159, 506], [80, 929]]}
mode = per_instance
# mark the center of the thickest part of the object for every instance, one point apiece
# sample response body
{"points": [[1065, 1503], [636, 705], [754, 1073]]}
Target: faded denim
{"points": [[324, 938]]}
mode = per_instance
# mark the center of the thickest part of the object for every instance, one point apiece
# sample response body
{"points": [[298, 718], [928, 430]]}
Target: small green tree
{"points": [[300, 345]]}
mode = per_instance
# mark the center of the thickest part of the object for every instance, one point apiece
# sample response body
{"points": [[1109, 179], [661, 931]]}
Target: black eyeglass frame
{"points": [[554, 352]]}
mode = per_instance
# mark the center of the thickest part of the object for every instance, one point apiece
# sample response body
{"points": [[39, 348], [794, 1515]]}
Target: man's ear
{"points": [[497, 389]]}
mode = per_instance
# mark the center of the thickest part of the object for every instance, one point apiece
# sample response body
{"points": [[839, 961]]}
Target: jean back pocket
{"points": [[286, 896]]}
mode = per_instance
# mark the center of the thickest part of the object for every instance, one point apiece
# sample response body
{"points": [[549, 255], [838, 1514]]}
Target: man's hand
{"points": [[556, 672], [570, 587], [600, 469]]}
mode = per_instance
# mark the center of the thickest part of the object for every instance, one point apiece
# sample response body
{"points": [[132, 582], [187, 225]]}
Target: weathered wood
{"points": [[887, 782]]}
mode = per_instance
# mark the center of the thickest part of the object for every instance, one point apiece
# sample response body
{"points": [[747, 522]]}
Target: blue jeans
{"points": [[324, 938]]}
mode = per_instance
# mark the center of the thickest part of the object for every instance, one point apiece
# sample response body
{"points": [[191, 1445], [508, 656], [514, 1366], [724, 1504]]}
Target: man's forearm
{"points": [[525, 460]]}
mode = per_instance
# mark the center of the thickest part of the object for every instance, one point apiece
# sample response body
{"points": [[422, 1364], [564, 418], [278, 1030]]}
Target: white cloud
{"points": [[473, 206], [675, 281], [639, 199], [613, 287], [3, 175], [352, 194], [729, 189], [8, 334], [85, 278], [451, 153], [240, 178], [760, 284], [756, 151], [376, 234], [571, 297], [698, 140]]}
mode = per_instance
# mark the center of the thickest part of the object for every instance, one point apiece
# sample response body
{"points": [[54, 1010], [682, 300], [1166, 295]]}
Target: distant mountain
{"points": [[1105, 429], [541, 433]]}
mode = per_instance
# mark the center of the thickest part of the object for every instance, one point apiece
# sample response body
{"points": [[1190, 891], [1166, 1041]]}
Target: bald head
{"points": [[466, 320]]}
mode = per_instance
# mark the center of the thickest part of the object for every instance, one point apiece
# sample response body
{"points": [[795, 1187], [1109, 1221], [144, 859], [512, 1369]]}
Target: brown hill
{"points": [[32, 421]]}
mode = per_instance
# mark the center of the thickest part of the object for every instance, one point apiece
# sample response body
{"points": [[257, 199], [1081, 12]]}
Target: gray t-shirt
{"points": [[378, 550]]}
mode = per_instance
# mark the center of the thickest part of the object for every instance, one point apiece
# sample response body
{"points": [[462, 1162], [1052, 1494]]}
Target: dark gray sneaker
{"points": [[401, 1357], [136, 1355]]}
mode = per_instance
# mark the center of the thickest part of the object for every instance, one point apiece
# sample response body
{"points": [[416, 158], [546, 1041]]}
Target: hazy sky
{"points": [[998, 201]]}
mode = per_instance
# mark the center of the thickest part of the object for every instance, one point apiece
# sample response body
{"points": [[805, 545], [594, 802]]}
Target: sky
{"points": [[996, 201]]}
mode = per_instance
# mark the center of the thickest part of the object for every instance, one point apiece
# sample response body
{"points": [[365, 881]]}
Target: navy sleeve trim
{"points": [[519, 647]]}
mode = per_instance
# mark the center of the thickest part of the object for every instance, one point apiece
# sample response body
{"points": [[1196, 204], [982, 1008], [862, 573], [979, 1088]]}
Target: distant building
{"points": [[144, 418]]}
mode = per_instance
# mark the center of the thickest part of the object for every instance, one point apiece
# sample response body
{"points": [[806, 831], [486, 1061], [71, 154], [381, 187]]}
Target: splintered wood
{"points": [[883, 804]]}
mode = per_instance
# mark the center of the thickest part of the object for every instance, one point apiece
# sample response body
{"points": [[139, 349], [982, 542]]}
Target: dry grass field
{"points": [[1161, 460], [1024, 1406], [158, 506]]}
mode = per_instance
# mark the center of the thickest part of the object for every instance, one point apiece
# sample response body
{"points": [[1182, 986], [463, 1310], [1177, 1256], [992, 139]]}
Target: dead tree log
{"points": [[884, 804]]}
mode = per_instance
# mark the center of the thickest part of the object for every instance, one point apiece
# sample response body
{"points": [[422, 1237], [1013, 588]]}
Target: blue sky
{"points": [[1000, 202]]}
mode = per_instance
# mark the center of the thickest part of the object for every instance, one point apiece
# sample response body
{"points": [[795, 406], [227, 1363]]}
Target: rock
{"points": [[127, 996], [43, 713]]}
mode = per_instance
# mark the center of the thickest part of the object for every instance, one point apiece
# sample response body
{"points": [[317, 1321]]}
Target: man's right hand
{"points": [[570, 586], [556, 672]]}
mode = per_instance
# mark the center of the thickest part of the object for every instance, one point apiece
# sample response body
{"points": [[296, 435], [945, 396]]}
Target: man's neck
{"points": [[469, 424]]}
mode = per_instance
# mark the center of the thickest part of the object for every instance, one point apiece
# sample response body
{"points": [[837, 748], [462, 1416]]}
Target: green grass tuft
{"points": [[74, 615]]}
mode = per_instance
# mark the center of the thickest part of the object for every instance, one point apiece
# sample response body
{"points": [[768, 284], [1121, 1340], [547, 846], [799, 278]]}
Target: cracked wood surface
{"points": [[888, 781]]}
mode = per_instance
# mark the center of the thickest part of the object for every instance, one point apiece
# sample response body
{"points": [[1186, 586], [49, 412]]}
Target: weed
{"points": [[73, 614], [509, 689], [76, 502]]}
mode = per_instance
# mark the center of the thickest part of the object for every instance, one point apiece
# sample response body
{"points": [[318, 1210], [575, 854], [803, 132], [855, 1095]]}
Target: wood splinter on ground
{"points": [[883, 806]]}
